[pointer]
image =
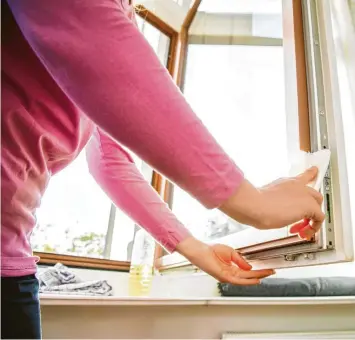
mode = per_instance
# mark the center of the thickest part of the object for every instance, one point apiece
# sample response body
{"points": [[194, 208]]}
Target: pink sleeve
{"points": [[115, 171], [104, 64]]}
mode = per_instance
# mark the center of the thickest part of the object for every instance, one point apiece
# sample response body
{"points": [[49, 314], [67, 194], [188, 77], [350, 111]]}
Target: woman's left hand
{"points": [[222, 262]]}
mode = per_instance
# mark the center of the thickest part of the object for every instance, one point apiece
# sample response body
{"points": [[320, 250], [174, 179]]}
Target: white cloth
{"points": [[60, 280]]}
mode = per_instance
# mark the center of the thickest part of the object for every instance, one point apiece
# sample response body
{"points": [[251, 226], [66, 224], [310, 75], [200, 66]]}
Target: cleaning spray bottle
{"points": [[142, 264]]}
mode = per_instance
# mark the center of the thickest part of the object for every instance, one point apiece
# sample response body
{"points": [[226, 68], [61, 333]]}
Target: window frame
{"points": [[295, 49], [157, 181]]}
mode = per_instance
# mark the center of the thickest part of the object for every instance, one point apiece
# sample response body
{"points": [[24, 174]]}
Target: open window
{"points": [[260, 76], [257, 76]]}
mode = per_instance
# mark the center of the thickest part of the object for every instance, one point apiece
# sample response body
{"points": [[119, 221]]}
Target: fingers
{"points": [[308, 176], [307, 232], [243, 282], [318, 218], [307, 228], [316, 195], [310, 230], [240, 261], [247, 278], [297, 227], [256, 274]]}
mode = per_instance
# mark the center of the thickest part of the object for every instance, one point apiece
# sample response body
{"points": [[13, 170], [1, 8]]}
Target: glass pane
{"points": [[140, 22], [238, 92], [158, 40], [241, 6], [237, 20], [74, 215], [179, 2]]}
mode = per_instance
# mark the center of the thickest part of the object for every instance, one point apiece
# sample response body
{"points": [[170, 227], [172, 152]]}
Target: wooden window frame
{"points": [[169, 262], [158, 182]]}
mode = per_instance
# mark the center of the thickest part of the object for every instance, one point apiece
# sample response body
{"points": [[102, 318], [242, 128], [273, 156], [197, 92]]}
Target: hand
{"points": [[222, 262], [298, 201], [279, 204]]}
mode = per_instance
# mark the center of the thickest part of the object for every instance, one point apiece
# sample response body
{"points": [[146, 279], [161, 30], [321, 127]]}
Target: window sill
{"points": [[82, 262], [70, 300]]}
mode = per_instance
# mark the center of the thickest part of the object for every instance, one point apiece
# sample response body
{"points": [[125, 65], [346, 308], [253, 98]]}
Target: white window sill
{"points": [[70, 300]]}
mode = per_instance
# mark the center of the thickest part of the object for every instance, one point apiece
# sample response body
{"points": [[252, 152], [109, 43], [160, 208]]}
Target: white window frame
{"points": [[335, 241]]}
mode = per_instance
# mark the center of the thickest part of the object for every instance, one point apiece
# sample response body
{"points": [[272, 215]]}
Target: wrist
{"points": [[191, 248]]}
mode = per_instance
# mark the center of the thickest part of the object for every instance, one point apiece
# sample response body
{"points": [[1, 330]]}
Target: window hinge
{"points": [[306, 256], [309, 256], [290, 257]]}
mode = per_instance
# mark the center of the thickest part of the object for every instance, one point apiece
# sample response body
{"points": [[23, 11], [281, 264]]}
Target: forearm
{"points": [[245, 205], [107, 68], [115, 171]]}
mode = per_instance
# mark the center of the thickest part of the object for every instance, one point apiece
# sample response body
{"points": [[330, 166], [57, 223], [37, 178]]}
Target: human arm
{"points": [[115, 171], [107, 68]]}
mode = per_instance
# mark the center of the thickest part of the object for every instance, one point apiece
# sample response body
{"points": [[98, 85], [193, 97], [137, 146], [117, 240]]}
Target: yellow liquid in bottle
{"points": [[140, 280]]}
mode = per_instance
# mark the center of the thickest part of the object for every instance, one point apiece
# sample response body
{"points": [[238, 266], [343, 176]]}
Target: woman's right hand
{"points": [[287, 201]]}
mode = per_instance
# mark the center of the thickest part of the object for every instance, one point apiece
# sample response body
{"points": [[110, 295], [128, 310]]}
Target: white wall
{"points": [[190, 322]]}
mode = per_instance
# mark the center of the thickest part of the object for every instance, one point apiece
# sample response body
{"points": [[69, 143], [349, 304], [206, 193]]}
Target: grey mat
{"points": [[274, 287]]}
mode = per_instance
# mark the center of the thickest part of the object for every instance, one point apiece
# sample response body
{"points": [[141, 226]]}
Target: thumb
{"points": [[308, 176], [240, 261]]}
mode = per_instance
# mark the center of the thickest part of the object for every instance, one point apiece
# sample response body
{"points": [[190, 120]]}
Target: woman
{"points": [[74, 71]]}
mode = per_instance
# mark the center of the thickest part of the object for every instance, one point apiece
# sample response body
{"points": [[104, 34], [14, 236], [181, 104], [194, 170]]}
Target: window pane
{"points": [[238, 92], [74, 213], [241, 6], [158, 40], [140, 22], [74, 217]]}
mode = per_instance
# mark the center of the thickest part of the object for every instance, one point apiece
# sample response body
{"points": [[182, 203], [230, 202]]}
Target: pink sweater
{"points": [[75, 69]]}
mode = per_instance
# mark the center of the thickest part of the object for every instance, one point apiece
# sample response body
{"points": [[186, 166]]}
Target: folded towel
{"points": [[60, 280], [274, 287]]}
